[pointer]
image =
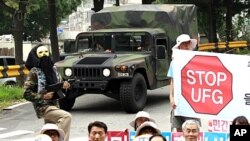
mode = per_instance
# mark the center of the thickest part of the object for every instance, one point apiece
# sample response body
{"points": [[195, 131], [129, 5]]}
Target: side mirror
{"points": [[161, 52]]}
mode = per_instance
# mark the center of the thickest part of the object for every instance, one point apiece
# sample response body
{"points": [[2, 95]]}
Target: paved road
{"points": [[21, 124]]}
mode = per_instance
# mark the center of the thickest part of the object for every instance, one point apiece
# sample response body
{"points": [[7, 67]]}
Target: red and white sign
{"points": [[206, 83], [211, 85], [117, 136]]}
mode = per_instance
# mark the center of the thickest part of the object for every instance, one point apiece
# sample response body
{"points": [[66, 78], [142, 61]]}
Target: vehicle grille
{"points": [[88, 73]]}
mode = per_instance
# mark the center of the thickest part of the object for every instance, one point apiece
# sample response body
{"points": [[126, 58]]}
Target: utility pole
{"points": [[98, 5], [53, 32]]}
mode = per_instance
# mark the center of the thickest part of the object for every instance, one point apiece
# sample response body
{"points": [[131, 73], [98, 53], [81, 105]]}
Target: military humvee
{"points": [[127, 52]]}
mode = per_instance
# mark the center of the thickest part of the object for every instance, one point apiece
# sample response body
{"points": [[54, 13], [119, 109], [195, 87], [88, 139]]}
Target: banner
{"points": [[211, 85], [178, 136], [217, 125]]}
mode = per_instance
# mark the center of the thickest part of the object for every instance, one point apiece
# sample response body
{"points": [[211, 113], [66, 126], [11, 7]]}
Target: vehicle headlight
{"points": [[68, 72], [106, 72]]}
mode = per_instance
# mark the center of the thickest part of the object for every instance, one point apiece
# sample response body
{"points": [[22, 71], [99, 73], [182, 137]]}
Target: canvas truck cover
{"points": [[175, 19]]}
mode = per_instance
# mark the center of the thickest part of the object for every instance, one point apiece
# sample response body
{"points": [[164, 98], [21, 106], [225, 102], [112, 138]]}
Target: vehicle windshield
{"points": [[114, 42]]}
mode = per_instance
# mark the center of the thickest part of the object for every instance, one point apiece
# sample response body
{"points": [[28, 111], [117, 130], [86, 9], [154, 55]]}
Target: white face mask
{"points": [[42, 51]]}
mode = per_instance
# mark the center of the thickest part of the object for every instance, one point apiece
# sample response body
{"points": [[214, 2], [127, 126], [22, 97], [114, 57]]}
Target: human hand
{"points": [[66, 85], [172, 104], [48, 95]]}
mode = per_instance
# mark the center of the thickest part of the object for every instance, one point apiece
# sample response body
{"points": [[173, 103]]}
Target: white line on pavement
{"points": [[15, 133], [2, 129], [14, 106]]}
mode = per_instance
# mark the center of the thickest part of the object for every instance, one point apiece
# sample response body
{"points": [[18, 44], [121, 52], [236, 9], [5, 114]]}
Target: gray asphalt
{"points": [[89, 108]]}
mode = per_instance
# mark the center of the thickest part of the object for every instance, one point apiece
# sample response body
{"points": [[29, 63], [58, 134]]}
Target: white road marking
{"points": [[2, 129], [15, 133], [14, 106]]}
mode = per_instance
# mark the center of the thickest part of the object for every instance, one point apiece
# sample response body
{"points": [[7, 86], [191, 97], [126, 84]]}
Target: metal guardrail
{"points": [[13, 71], [223, 45]]}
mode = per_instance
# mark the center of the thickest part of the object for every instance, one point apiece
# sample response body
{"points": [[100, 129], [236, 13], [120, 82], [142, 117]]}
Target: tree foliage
{"points": [[36, 20], [215, 16], [30, 18]]}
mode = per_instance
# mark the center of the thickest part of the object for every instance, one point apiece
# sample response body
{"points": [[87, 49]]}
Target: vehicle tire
{"points": [[133, 94], [66, 103]]}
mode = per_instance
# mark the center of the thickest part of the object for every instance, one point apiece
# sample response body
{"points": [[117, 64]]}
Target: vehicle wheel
{"points": [[133, 94], [67, 104]]}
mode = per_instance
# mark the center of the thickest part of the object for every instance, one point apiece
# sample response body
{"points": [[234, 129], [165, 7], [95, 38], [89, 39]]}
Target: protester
{"points": [[157, 137], [191, 130], [183, 42], [97, 131], [41, 73], [240, 120], [53, 131], [146, 130], [140, 118]]}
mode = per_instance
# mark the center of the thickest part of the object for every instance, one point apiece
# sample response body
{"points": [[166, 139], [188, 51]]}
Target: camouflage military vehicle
{"points": [[128, 52]]}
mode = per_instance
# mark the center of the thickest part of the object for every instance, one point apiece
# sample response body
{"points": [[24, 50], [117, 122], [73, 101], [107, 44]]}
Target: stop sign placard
{"points": [[206, 84]]}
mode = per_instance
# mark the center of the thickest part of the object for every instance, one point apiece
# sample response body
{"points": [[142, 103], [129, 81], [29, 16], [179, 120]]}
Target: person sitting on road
{"points": [[140, 118], [97, 131], [53, 131], [191, 130]]}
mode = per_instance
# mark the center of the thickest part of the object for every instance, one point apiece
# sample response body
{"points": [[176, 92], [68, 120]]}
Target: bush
{"points": [[10, 95]]}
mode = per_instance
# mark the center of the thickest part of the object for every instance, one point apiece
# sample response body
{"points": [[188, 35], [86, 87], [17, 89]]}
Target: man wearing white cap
{"points": [[140, 118], [183, 42]]}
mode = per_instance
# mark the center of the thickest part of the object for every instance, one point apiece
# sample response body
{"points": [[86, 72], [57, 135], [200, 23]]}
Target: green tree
{"points": [[215, 15], [30, 18], [5, 23]]}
